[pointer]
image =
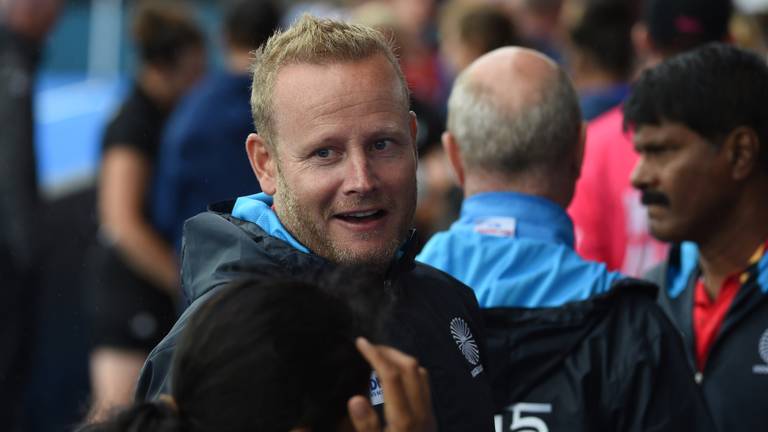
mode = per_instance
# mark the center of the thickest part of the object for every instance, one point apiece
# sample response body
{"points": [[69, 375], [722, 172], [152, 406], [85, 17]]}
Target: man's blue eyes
{"points": [[378, 145]]}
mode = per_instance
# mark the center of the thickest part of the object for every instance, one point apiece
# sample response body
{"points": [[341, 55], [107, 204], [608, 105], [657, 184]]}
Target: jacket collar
{"points": [[257, 209]]}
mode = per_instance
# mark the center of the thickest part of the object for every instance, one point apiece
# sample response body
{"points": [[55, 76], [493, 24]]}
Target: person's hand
{"points": [[407, 400]]}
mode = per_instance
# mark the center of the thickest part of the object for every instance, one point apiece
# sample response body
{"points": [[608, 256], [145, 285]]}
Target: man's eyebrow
{"points": [[389, 130]]}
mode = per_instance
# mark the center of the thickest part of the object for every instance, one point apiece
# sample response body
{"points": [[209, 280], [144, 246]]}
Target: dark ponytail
{"points": [[145, 417]]}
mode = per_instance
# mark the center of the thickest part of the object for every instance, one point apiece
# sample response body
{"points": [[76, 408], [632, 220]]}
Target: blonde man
{"points": [[336, 159]]}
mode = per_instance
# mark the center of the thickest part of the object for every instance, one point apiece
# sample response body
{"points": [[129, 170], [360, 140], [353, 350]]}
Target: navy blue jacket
{"points": [[735, 378], [433, 314], [202, 156]]}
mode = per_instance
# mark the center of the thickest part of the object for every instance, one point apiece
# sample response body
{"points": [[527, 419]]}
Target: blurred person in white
{"points": [[133, 275], [24, 25]]}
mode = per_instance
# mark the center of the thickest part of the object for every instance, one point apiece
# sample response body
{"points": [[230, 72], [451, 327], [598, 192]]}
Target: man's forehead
{"points": [[375, 70], [323, 87], [662, 131]]}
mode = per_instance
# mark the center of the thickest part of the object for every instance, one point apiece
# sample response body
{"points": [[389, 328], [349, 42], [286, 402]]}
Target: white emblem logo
{"points": [[467, 345], [762, 349]]}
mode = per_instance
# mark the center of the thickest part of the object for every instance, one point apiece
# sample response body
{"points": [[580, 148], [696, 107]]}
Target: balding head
{"points": [[515, 78], [513, 114]]}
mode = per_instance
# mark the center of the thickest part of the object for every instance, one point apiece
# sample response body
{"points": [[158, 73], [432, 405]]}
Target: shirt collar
{"points": [[535, 217]]}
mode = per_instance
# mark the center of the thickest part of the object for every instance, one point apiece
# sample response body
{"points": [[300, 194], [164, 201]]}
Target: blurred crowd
{"points": [[177, 144]]}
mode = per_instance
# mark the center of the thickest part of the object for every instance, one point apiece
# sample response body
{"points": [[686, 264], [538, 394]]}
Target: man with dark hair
{"points": [[611, 226], [515, 140], [700, 128], [205, 132], [599, 52], [336, 158]]}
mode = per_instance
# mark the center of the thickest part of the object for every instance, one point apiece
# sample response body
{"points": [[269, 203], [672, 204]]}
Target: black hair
{"points": [[603, 34], [711, 90], [249, 23], [145, 416], [675, 26], [163, 30], [269, 355]]}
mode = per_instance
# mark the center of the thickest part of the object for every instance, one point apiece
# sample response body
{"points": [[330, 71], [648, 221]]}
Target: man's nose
{"points": [[360, 176], [640, 177]]}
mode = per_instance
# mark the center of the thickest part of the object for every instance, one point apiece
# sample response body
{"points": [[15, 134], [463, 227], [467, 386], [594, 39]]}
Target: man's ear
{"points": [[451, 148], [743, 151], [413, 128], [263, 162]]}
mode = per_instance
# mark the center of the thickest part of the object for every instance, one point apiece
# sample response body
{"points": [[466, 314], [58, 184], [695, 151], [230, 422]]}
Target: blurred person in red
{"points": [[133, 274], [611, 226], [24, 25], [701, 128]]}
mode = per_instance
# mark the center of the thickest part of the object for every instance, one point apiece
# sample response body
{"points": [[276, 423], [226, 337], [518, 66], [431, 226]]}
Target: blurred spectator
{"points": [[599, 52], [418, 50], [538, 24], [703, 175], [24, 25], [749, 26], [134, 275], [202, 157], [469, 29], [611, 225], [331, 9]]}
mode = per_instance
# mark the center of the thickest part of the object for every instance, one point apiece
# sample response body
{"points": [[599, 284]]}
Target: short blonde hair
{"points": [[312, 40]]}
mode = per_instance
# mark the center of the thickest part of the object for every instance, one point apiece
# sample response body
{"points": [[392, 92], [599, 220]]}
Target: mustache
{"points": [[650, 197]]}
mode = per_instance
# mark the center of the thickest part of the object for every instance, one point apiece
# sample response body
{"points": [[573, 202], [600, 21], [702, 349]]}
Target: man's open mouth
{"points": [[361, 216]]}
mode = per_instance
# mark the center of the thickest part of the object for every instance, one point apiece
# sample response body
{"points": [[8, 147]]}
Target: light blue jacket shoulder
{"points": [[516, 250]]}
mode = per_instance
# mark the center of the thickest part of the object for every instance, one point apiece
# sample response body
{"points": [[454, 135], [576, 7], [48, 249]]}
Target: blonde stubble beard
{"points": [[290, 212]]}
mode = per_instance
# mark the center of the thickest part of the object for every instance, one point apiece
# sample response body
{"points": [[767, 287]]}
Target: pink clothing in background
{"points": [[611, 224]]}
